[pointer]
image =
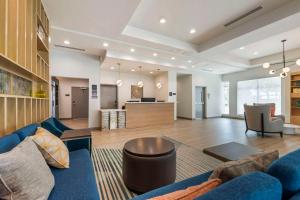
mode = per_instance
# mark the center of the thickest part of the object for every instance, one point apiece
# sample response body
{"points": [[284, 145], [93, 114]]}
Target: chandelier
{"points": [[283, 67]]}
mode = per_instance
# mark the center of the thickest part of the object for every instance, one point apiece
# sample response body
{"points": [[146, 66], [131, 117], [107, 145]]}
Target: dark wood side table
{"points": [[79, 134], [231, 151], [148, 163]]}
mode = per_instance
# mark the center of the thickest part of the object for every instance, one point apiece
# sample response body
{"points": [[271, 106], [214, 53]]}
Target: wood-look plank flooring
{"points": [[200, 134]]}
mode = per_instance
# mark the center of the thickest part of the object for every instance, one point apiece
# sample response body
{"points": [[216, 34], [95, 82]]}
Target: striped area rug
{"points": [[108, 168]]}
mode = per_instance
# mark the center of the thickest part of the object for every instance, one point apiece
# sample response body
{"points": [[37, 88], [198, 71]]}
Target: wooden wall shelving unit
{"points": [[24, 51], [295, 98]]}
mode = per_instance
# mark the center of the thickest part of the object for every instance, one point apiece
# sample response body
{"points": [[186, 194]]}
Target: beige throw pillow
{"points": [[265, 159], [24, 174], [53, 149]]}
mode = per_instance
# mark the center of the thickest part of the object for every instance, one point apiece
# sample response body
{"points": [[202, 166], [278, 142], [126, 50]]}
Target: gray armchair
{"points": [[258, 118]]}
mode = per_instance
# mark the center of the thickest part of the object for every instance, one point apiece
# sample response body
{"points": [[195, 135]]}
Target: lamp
{"points": [[140, 83], [119, 82], [284, 65]]}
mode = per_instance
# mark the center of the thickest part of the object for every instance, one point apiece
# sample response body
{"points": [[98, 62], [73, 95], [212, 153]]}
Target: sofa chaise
{"points": [[76, 183]]}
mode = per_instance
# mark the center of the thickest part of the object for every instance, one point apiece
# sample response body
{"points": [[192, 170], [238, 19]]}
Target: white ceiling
{"points": [[135, 24]]}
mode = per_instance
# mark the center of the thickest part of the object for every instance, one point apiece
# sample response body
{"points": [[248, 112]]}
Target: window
{"points": [[266, 90], [225, 96]]}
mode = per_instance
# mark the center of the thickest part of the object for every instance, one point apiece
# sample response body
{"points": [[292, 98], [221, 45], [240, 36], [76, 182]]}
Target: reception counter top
{"points": [[143, 114]]}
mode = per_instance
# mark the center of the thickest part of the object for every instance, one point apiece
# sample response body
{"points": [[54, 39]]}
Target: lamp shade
{"points": [[119, 83], [140, 84]]}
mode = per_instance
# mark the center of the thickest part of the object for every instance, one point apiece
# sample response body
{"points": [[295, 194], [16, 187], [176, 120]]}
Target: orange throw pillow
{"points": [[191, 192]]}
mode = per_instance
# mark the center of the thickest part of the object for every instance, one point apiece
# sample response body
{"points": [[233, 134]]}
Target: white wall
{"points": [[256, 73], [65, 102], [77, 65], [212, 83], [124, 92], [184, 96]]}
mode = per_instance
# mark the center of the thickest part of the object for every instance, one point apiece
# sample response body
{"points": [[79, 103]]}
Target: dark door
{"points": [[109, 96], [80, 102], [199, 102]]}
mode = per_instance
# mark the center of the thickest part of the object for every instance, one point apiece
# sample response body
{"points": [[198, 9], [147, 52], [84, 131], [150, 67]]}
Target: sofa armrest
{"points": [[253, 186], [52, 129]]}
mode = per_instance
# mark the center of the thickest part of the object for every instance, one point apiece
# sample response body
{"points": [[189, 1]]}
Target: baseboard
{"points": [[188, 118], [233, 117], [65, 118]]}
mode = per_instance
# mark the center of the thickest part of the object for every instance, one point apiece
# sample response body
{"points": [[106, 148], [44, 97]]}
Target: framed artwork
{"points": [[94, 92], [136, 92]]}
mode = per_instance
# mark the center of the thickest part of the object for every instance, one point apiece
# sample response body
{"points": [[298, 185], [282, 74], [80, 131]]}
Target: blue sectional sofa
{"points": [[77, 182], [280, 182]]}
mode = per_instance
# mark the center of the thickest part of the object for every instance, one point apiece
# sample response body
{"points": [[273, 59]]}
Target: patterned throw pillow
{"points": [[53, 149], [191, 192], [24, 173], [229, 170]]}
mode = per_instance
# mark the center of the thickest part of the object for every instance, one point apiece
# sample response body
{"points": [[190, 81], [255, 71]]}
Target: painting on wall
{"points": [[136, 92], [4, 82], [14, 85]]}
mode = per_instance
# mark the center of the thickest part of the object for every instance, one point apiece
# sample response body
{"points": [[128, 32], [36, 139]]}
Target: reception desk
{"points": [[143, 114]]}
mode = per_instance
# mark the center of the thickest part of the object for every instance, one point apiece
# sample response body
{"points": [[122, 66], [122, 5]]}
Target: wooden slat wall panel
{"points": [[3, 18], [28, 34], [34, 35], [12, 21], [21, 32]]}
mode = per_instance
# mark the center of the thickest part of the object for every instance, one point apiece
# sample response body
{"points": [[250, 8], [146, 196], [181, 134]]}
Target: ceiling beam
{"points": [[275, 22]]}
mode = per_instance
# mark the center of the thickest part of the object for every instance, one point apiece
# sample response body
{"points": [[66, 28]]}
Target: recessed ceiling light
{"points": [[255, 53], [173, 58], [242, 48], [154, 54], [105, 44], [132, 50], [192, 31], [49, 39], [133, 70], [112, 68], [193, 66], [162, 20], [151, 72], [189, 61], [182, 67], [67, 42]]}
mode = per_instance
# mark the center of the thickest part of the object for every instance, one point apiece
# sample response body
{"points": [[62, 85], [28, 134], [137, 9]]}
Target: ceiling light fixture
{"points": [[255, 53], [159, 83], [151, 72], [193, 66], [162, 20], [140, 83], [133, 70], [154, 54], [242, 48], [105, 44], [173, 58], [119, 82], [189, 61], [112, 68], [67, 42], [284, 65], [192, 31], [132, 50]]}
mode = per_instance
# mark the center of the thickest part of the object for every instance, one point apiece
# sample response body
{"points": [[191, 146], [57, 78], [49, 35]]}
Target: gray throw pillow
{"points": [[265, 159], [24, 173], [229, 170]]}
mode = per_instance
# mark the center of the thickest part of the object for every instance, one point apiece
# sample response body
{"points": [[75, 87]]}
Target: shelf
{"points": [[12, 67], [41, 46], [39, 20], [21, 97]]}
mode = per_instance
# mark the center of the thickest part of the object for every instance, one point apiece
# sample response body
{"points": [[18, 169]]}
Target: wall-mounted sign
{"points": [[94, 91]]}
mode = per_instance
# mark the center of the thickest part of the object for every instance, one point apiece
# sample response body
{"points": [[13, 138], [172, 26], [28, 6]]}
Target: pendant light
{"points": [[119, 82], [140, 83], [158, 84], [284, 65]]}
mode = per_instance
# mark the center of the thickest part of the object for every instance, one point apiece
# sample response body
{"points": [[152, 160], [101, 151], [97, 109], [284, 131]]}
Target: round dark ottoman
{"points": [[148, 163]]}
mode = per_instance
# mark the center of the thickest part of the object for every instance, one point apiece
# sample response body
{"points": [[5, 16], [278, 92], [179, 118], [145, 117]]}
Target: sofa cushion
{"points": [[26, 131], [8, 142], [174, 187], [295, 197], [253, 186], [77, 182], [287, 170]]}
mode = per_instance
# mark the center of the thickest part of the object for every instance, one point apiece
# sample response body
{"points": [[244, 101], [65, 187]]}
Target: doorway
{"points": [[200, 102], [109, 96], [80, 102]]}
